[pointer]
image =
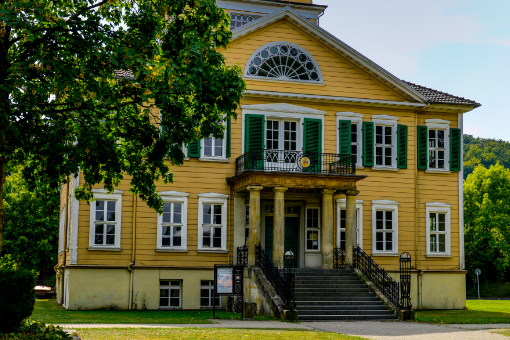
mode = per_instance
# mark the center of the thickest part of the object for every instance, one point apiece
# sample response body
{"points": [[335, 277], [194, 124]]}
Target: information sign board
{"points": [[224, 280]]}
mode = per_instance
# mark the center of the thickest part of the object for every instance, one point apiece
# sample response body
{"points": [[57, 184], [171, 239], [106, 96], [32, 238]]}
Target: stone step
{"points": [[366, 317], [325, 279], [315, 308], [332, 285], [343, 301], [338, 290], [344, 312]]}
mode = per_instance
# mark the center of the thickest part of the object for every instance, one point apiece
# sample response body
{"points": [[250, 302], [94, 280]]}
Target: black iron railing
{"points": [[296, 161], [283, 284], [339, 258], [242, 256], [385, 283]]}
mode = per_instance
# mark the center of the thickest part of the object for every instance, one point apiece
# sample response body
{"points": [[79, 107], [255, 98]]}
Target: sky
{"points": [[458, 47]]}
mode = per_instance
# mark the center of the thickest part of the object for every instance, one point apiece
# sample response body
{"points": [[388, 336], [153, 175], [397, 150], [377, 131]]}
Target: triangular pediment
{"points": [[283, 107], [346, 53]]}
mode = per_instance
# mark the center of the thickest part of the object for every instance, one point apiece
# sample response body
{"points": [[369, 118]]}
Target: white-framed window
{"points": [[281, 60], [282, 135], [341, 215], [241, 19], [313, 229], [207, 294], [438, 144], [105, 220], [170, 293], [385, 139], [213, 148], [438, 229], [212, 221], [384, 227], [356, 134], [172, 223]]}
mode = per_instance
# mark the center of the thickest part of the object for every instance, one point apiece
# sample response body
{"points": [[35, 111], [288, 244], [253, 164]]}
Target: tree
{"points": [[31, 224], [65, 107], [487, 221], [486, 152]]}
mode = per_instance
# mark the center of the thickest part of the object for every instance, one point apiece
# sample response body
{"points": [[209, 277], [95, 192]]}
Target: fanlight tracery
{"points": [[284, 61]]}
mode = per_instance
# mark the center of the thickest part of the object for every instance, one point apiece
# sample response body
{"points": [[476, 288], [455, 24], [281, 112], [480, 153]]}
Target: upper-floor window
{"points": [[437, 149], [212, 148], [283, 61], [238, 20], [350, 135]]}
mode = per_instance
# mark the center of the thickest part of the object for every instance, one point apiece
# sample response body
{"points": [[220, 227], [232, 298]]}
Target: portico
{"points": [[272, 196]]}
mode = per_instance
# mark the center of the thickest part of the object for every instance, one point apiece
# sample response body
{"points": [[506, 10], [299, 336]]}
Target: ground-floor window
{"points": [[169, 294], [342, 221], [385, 227], [438, 228], [207, 294]]}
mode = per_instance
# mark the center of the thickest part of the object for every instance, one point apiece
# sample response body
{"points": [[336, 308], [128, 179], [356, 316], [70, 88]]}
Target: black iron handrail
{"points": [[339, 258], [283, 284], [242, 256], [385, 283], [296, 161]]}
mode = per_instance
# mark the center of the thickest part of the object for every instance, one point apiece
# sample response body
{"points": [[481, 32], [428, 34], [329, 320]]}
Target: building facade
{"points": [[329, 150]]}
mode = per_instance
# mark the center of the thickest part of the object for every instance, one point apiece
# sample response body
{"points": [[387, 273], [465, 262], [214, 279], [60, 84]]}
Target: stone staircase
{"points": [[336, 294]]}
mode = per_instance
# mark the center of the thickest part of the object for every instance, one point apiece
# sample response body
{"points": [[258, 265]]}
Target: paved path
{"points": [[368, 329]]}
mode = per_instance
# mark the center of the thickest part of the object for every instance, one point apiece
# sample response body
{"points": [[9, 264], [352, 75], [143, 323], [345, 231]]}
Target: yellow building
{"points": [[329, 150]]}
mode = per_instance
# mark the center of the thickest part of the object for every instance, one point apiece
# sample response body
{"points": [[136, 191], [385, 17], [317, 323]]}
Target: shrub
{"points": [[17, 298], [36, 331]]}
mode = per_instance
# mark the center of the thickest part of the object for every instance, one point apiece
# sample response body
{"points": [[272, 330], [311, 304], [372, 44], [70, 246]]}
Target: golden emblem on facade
{"points": [[305, 162]]}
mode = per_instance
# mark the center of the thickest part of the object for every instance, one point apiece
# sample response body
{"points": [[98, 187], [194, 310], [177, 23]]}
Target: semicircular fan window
{"points": [[284, 62]]}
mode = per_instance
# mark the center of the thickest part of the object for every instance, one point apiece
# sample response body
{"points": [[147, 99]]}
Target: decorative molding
{"points": [[438, 205], [104, 191], [385, 202], [436, 171], [214, 159], [212, 195], [437, 121], [283, 107], [384, 117], [349, 114], [344, 201], [173, 193]]}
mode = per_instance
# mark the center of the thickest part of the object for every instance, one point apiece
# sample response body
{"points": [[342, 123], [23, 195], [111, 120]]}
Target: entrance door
{"points": [[291, 236]]}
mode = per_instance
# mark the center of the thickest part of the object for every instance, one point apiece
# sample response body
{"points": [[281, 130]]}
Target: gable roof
{"points": [[410, 91]]}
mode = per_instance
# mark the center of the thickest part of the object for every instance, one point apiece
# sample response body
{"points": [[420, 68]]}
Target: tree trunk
{"points": [[2, 181]]}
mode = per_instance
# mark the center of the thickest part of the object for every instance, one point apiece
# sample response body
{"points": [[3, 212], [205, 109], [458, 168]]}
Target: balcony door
{"points": [[281, 143]]}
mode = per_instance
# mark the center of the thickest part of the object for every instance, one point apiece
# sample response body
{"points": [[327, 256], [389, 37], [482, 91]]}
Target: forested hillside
{"points": [[484, 151]]}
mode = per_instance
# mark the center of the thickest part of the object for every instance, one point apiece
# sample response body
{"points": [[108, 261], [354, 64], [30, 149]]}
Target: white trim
{"points": [[171, 250], [173, 193], [438, 122], [75, 213], [349, 114], [384, 168], [212, 195], [334, 99], [61, 228], [223, 148], [319, 230], [334, 43], [283, 107], [375, 118], [385, 205], [300, 49], [93, 248], [442, 208], [438, 171], [118, 220], [212, 250], [266, 7], [216, 199], [214, 159], [275, 80], [461, 194], [341, 204], [181, 198], [104, 191]]}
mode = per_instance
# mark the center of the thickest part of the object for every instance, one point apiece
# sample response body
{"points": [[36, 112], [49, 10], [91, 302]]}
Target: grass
{"points": [[477, 312], [50, 311], [206, 333], [505, 332]]}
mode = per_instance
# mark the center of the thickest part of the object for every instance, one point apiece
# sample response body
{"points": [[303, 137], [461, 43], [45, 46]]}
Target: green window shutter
{"points": [[344, 137], [455, 149], [194, 149], [312, 144], [254, 132], [422, 147], [312, 135], [368, 144], [402, 146], [229, 137]]}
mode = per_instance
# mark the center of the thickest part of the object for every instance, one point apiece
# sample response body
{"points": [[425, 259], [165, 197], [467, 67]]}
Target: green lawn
{"points": [[50, 311], [478, 311], [505, 332], [206, 333]]}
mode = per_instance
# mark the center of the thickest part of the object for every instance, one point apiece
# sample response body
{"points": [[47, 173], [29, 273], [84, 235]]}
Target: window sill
{"points": [[105, 248], [439, 255], [216, 251], [360, 167], [313, 251], [442, 172], [171, 250], [386, 254], [385, 168], [214, 159]]}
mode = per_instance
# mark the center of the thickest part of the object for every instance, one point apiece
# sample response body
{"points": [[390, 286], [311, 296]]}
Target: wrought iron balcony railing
{"points": [[296, 161]]}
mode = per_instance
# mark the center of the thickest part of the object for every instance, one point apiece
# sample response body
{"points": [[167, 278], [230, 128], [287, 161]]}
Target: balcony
{"points": [[296, 162]]}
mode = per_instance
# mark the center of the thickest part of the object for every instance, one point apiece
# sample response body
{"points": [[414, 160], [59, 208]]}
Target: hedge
{"points": [[17, 298]]}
